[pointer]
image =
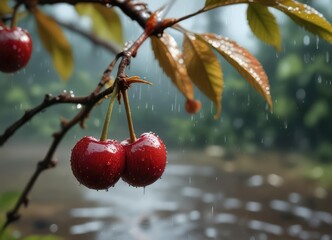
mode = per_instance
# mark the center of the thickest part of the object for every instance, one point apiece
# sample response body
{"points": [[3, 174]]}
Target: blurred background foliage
{"points": [[300, 77]]}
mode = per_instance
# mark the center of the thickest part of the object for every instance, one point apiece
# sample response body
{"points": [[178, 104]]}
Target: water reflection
{"points": [[213, 204], [199, 197]]}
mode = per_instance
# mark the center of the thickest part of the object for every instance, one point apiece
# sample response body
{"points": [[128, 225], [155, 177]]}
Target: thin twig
{"points": [[110, 46], [47, 162], [28, 115]]}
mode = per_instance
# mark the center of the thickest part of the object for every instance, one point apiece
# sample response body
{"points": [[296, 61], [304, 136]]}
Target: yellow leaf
{"points": [[4, 8], [302, 14], [307, 17], [171, 61], [105, 21], [263, 24], [203, 68], [55, 42], [246, 64]]}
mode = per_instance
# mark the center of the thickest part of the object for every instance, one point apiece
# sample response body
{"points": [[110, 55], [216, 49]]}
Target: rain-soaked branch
{"points": [[48, 161], [134, 9], [88, 102], [48, 101], [64, 98]]}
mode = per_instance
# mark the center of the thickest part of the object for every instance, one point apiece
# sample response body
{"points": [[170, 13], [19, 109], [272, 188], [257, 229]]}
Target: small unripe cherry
{"points": [[192, 106]]}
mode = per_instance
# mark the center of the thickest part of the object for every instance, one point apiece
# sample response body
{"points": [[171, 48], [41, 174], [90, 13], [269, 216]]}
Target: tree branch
{"points": [[28, 115], [88, 102], [48, 162], [136, 11]]}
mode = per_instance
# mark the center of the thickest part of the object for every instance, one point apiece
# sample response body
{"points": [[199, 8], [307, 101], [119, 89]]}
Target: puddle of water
{"points": [[189, 202]]}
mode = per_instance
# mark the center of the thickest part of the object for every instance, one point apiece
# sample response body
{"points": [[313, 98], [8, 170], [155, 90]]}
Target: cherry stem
{"points": [[14, 19], [129, 118], [109, 114]]}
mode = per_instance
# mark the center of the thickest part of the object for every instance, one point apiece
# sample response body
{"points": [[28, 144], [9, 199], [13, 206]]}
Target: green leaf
{"points": [[245, 63], [263, 24], [42, 237], [203, 68], [106, 23], [302, 14], [318, 111], [170, 59], [55, 42], [8, 199]]}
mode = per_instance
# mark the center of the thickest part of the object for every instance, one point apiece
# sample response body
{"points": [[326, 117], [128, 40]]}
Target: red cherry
{"points": [[97, 164], [192, 106], [15, 48], [145, 160]]}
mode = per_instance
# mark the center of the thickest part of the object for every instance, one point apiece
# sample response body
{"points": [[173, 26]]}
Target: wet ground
{"points": [[202, 195]]}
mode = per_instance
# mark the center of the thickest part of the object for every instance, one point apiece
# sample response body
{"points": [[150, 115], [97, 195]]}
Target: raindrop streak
{"points": [[327, 57], [140, 93], [319, 79], [212, 211], [306, 40], [317, 43]]}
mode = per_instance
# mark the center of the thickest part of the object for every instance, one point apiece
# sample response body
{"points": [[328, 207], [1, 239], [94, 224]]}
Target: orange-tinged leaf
{"points": [[55, 42], [203, 68], [246, 64], [171, 61], [105, 21], [263, 24], [302, 14]]}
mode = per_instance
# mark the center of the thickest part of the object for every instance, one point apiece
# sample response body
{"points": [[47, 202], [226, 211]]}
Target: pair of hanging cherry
{"points": [[99, 164]]}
